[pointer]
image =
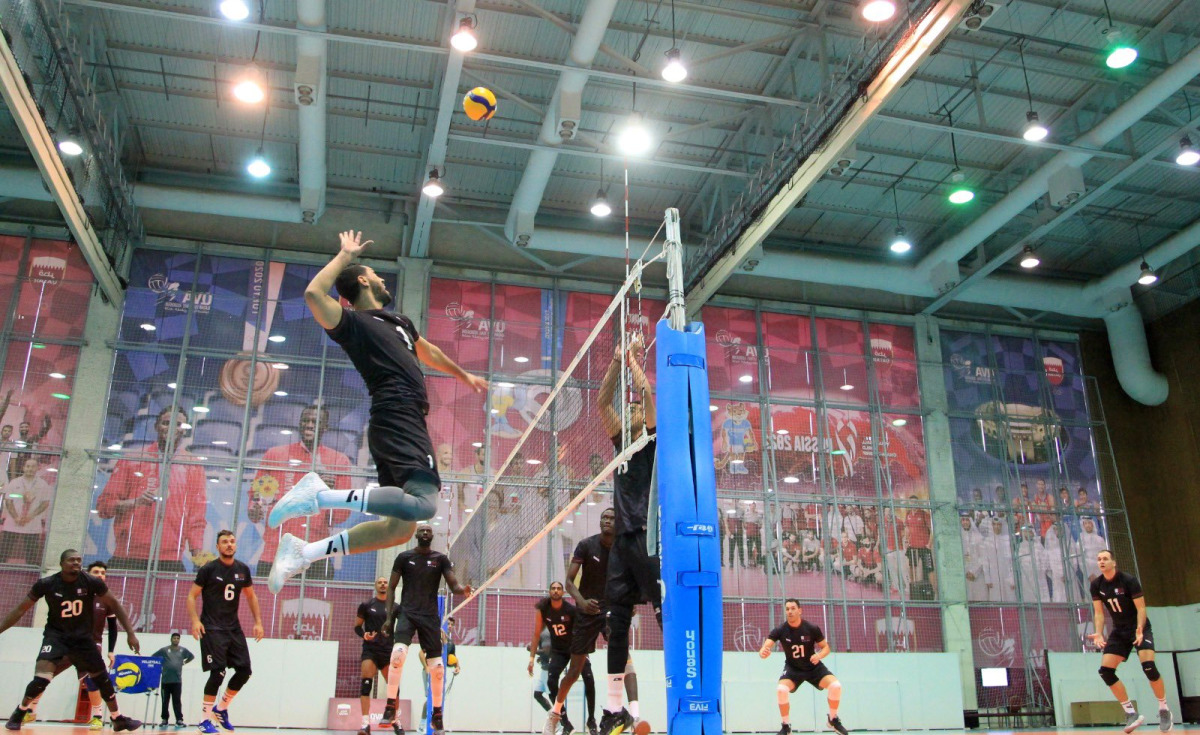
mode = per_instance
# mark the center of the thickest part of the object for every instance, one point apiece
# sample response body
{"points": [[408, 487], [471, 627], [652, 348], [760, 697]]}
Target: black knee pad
{"points": [[1151, 671], [1108, 675], [213, 685], [619, 619], [367, 684], [239, 679], [36, 687], [103, 684]]}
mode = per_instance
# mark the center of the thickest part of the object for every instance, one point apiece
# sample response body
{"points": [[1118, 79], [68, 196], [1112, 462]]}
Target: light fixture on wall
{"points": [[464, 39]]}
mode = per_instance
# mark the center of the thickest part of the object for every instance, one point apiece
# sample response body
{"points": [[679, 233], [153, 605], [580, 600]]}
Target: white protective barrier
{"points": [[880, 692], [282, 670]]}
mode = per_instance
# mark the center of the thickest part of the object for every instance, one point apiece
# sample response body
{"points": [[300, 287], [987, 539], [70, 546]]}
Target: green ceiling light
{"points": [[61, 396], [960, 193], [1121, 53]]}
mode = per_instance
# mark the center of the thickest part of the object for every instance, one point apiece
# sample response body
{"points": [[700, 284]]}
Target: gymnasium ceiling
{"points": [[756, 69]]}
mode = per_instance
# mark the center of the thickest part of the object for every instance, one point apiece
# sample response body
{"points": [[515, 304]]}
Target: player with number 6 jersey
{"points": [[1120, 595], [221, 584], [804, 647]]}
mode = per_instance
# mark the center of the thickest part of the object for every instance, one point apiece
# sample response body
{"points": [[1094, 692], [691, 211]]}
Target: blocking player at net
{"points": [[71, 598], [388, 352], [1120, 594], [633, 574], [422, 570], [804, 647], [221, 583], [377, 644]]}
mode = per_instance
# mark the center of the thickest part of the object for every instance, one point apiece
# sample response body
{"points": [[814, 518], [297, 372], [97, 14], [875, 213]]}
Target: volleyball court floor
{"points": [[54, 728]]}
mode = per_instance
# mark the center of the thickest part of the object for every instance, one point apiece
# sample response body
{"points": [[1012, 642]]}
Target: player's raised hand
{"points": [[134, 644], [351, 242], [198, 630], [258, 632]]}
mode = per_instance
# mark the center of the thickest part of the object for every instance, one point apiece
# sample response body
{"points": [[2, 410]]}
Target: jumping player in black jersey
{"points": [[221, 583], [633, 574], [589, 564], [71, 597], [388, 352], [377, 644], [1120, 594], [560, 617], [804, 646], [422, 570]]}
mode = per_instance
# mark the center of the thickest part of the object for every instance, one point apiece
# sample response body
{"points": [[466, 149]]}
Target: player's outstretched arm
{"points": [[256, 611], [11, 619], [325, 308], [432, 355], [197, 626], [112, 603], [643, 387]]}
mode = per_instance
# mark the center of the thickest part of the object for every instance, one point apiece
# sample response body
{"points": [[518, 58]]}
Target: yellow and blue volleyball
{"points": [[128, 674], [452, 660], [479, 104]]}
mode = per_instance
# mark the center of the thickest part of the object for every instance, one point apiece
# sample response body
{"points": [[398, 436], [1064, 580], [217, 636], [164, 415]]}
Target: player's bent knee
{"points": [[629, 670], [781, 692], [213, 685], [239, 679], [1151, 671], [835, 689], [399, 651], [432, 663], [36, 687], [89, 684], [103, 684], [1108, 675], [366, 686]]}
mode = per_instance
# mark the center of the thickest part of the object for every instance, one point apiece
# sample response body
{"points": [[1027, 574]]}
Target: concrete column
{"points": [[947, 542], [413, 299]]}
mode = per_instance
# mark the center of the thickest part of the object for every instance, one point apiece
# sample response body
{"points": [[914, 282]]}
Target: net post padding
{"points": [[569, 508]]}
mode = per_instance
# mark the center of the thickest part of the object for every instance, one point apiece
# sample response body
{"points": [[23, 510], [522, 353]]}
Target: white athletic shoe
{"points": [[300, 501], [289, 561]]}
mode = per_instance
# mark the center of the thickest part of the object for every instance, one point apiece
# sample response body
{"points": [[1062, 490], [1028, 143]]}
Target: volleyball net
{"points": [[534, 502]]}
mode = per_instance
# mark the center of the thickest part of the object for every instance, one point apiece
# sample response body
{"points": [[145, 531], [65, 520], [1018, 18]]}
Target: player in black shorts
{"points": [[633, 574], [377, 644], [221, 583], [589, 564], [71, 596], [422, 570], [388, 352], [1120, 594], [560, 617], [102, 619], [804, 646]]}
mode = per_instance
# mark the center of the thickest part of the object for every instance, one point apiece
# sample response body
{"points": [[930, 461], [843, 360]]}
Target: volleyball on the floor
{"points": [[479, 104]]}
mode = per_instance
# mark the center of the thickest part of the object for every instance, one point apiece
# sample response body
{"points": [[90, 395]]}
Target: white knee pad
{"points": [[399, 652], [629, 668], [434, 665], [835, 689], [781, 693]]}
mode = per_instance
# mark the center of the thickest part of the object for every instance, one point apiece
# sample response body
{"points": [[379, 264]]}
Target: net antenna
{"points": [[499, 531]]}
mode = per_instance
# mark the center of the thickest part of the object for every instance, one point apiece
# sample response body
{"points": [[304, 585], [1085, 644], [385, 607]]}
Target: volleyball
{"points": [[452, 660], [479, 104], [128, 674]]}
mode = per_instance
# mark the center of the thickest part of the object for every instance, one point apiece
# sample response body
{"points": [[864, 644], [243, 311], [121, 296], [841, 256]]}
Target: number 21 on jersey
{"points": [[798, 651]]}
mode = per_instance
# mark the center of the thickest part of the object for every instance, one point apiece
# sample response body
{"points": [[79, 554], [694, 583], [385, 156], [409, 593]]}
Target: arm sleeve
{"points": [[38, 590], [187, 656], [1134, 587], [776, 634], [818, 636], [410, 327], [580, 553], [201, 576], [98, 586], [112, 633], [1096, 589]]}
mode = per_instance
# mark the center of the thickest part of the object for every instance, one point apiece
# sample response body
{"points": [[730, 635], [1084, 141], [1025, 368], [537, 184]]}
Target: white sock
{"points": [[226, 698], [98, 710], [333, 546], [633, 709], [206, 711], [353, 499], [1128, 707], [1162, 705], [616, 687], [366, 721]]}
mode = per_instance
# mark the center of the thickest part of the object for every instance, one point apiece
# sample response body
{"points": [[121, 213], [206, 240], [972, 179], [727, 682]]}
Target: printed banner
{"points": [[136, 674]]}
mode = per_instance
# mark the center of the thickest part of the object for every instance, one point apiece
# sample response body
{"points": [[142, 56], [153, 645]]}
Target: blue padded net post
{"points": [[687, 515]]}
